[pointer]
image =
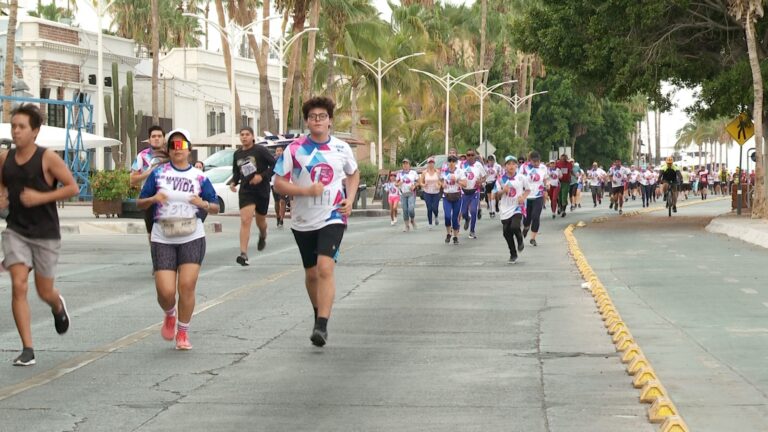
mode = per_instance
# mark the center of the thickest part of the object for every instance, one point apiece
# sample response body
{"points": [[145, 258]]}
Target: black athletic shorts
{"points": [[617, 190], [171, 256], [489, 188], [572, 189], [324, 241], [261, 202]]}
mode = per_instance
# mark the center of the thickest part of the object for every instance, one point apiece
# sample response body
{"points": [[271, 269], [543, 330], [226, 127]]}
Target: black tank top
{"points": [[40, 222]]}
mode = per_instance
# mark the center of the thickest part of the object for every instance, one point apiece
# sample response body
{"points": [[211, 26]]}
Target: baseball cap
{"points": [[431, 160], [510, 158], [183, 132], [406, 160]]}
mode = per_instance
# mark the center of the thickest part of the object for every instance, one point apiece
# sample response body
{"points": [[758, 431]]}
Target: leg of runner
{"points": [[512, 234], [595, 192], [247, 214], [563, 198], [261, 223], [534, 212], [447, 208], [187, 279], [428, 200], [474, 207], [464, 210], [455, 210], [553, 197], [393, 203]]}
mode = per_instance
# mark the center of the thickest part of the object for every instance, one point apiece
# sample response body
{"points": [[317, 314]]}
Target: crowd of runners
{"points": [[317, 177]]}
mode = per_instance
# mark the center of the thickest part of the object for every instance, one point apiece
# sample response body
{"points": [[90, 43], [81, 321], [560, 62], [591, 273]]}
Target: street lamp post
{"points": [[481, 90], [379, 68], [233, 33], [517, 102], [447, 83], [281, 49]]}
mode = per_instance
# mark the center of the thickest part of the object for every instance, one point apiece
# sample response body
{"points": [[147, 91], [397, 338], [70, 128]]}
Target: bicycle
{"points": [[671, 198]]}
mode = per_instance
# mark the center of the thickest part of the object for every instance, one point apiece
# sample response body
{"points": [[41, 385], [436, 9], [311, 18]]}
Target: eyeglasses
{"points": [[470, 154], [179, 144], [317, 117]]}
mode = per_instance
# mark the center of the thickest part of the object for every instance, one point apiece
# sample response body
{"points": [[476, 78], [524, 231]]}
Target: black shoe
{"points": [[595, 205], [525, 231], [621, 212], [533, 242], [262, 243], [553, 216], [456, 240], [242, 259], [512, 260], [26, 358], [521, 246], [579, 205], [479, 214], [466, 224], [447, 238], [674, 209], [318, 337], [61, 319], [563, 214]]}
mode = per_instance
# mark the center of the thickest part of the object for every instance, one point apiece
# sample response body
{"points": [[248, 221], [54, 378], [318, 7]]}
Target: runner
{"points": [[252, 169], [695, 180], [670, 177], [512, 190], [634, 182], [618, 175], [686, 182], [573, 188], [492, 171], [32, 238], [393, 197], [703, 181], [538, 181], [280, 200], [565, 167], [430, 190], [596, 176], [180, 195], [724, 180], [407, 180], [146, 161], [646, 178], [554, 186], [311, 170], [470, 199], [453, 179], [451, 152]]}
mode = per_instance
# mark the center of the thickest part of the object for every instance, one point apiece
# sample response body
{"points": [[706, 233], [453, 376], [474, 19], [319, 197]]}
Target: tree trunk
{"points": [[648, 134], [10, 50], [261, 56], [657, 132], [296, 112], [759, 204], [506, 68], [227, 58], [529, 103], [299, 17], [481, 78], [206, 13], [155, 60], [309, 67]]}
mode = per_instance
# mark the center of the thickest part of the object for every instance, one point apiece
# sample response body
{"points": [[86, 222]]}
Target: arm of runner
{"points": [[353, 182], [137, 176], [235, 175], [4, 203], [149, 195], [55, 166]]}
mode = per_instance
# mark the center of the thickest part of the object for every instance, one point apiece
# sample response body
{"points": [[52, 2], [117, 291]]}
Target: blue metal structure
{"points": [[79, 119]]}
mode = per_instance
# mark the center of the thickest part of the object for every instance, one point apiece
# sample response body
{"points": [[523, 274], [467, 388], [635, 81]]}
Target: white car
{"points": [[220, 177], [228, 200]]}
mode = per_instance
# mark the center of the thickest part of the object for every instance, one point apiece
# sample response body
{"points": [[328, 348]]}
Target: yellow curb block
{"points": [[638, 363], [652, 391], [661, 409], [674, 424]]}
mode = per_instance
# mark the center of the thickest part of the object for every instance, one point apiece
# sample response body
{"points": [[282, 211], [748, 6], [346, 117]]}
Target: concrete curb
{"points": [[754, 231], [662, 408]]}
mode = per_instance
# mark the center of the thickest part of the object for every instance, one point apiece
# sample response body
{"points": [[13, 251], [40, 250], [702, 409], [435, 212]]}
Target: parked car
{"points": [[224, 158], [219, 177]]}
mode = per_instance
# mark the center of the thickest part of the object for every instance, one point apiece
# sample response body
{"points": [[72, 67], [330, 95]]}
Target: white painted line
{"points": [[748, 291]]}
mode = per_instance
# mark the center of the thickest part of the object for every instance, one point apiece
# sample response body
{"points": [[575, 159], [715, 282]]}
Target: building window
{"points": [[222, 123], [211, 123], [56, 115]]}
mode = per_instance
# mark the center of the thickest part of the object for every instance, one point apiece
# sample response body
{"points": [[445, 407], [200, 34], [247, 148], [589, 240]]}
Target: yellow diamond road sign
{"points": [[741, 128]]}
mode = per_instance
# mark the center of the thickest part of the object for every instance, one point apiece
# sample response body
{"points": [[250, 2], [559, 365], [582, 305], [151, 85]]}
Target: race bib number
{"points": [[323, 173], [247, 169], [174, 210]]}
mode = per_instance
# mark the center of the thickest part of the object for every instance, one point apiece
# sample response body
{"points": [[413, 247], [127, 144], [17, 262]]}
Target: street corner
{"points": [[754, 231]]}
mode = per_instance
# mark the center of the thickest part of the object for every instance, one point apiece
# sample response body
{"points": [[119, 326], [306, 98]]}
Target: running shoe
{"points": [[393, 223], [562, 214], [262, 243], [318, 337], [493, 215], [242, 259], [182, 341], [26, 358], [447, 238], [621, 212], [611, 205], [479, 214], [674, 209], [579, 205], [595, 205], [533, 242], [456, 240], [472, 235], [525, 231], [436, 222], [553, 216], [61, 319], [512, 260], [466, 224], [521, 246], [168, 331]]}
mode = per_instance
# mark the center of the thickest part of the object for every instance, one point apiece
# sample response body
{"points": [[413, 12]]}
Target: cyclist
{"points": [[670, 175]]}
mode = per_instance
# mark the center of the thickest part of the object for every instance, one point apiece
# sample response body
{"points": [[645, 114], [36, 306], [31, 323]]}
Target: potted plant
{"points": [[130, 208], [109, 188]]}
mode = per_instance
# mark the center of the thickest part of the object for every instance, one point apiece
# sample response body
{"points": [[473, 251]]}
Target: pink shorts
{"points": [[394, 200]]}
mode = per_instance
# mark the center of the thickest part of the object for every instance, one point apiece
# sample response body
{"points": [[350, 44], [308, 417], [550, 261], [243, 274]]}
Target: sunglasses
{"points": [[179, 144]]}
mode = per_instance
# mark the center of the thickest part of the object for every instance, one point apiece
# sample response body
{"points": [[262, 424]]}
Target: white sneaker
{"points": [[392, 223]]}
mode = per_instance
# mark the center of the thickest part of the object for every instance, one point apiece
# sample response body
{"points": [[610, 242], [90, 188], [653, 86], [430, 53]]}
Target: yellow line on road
{"points": [[89, 357], [662, 409]]}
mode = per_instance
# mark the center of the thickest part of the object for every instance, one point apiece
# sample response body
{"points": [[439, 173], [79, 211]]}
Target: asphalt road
{"points": [[424, 336]]}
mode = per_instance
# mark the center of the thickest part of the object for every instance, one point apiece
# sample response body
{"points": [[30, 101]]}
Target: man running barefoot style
{"points": [[538, 182], [32, 238], [311, 170], [180, 195], [252, 170], [512, 190]]}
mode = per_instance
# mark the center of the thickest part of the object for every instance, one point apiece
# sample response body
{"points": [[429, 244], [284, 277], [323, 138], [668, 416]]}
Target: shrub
{"points": [[110, 185], [368, 173]]}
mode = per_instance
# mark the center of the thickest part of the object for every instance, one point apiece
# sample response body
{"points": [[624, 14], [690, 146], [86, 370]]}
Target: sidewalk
{"points": [[744, 228]]}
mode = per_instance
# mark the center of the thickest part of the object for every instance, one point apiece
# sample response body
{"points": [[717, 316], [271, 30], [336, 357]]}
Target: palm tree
{"points": [[227, 57], [299, 9], [10, 48], [747, 12], [309, 69]]}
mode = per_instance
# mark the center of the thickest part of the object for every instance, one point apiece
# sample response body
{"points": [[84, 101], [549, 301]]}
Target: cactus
{"points": [[116, 93], [122, 123]]}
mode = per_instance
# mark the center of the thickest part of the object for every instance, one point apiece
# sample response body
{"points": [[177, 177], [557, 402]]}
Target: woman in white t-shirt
{"points": [[451, 180], [180, 196]]}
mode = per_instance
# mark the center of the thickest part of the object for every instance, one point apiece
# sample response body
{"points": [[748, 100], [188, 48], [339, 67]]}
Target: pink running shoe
{"points": [[168, 331], [182, 341]]}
